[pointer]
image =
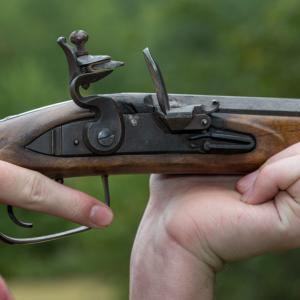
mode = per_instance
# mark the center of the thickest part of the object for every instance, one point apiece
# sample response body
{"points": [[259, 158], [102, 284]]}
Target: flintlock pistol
{"points": [[141, 132]]}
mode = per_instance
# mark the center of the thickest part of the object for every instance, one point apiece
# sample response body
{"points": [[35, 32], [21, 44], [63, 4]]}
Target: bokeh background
{"points": [[232, 47]]}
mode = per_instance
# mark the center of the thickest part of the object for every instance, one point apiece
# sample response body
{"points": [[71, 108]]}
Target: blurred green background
{"points": [[232, 47]]}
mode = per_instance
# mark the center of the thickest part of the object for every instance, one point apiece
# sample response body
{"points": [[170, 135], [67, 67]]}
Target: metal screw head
{"points": [[133, 120], [204, 122], [105, 137]]}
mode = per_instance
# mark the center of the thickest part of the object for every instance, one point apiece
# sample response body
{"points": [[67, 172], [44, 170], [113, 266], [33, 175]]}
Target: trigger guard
{"points": [[12, 216]]}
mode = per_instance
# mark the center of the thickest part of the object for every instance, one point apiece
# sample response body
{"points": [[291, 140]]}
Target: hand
{"points": [[30, 190], [193, 225]]}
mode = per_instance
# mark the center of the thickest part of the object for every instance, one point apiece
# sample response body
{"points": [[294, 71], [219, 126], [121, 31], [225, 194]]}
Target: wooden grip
{"points": [[272, 133]]}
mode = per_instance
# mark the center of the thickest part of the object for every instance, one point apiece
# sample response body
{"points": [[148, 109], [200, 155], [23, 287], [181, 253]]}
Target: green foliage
{"points": [[209, 47]]}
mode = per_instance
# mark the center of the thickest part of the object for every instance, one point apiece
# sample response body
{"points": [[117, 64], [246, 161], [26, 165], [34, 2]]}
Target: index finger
{"points": [[31, 190]]}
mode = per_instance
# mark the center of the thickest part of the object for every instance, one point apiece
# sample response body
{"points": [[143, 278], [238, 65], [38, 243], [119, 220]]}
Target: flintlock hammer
{"points": [[142, 132]]}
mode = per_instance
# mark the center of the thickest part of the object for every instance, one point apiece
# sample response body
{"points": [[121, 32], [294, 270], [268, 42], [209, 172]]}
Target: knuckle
{"points": [[79, 209], [289, 214], [35, 190]]}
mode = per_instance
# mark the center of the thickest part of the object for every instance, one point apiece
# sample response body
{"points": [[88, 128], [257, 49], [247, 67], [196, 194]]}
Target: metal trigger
{"points": [[106, 189], [41, 239]]}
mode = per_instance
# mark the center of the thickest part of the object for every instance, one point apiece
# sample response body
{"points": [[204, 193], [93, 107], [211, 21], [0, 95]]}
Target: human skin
{"points": [[193, 225], [27, 189], [31, 190]]}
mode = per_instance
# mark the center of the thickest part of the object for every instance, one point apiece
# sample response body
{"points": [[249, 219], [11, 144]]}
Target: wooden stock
{"points": [[272, 133]]}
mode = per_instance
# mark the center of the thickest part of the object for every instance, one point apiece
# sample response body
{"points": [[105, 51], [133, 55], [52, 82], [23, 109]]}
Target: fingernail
{"points": [[247, 181], [100, 216]]}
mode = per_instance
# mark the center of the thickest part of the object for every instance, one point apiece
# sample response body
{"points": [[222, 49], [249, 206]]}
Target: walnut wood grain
{"points": [[273, 134]]}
